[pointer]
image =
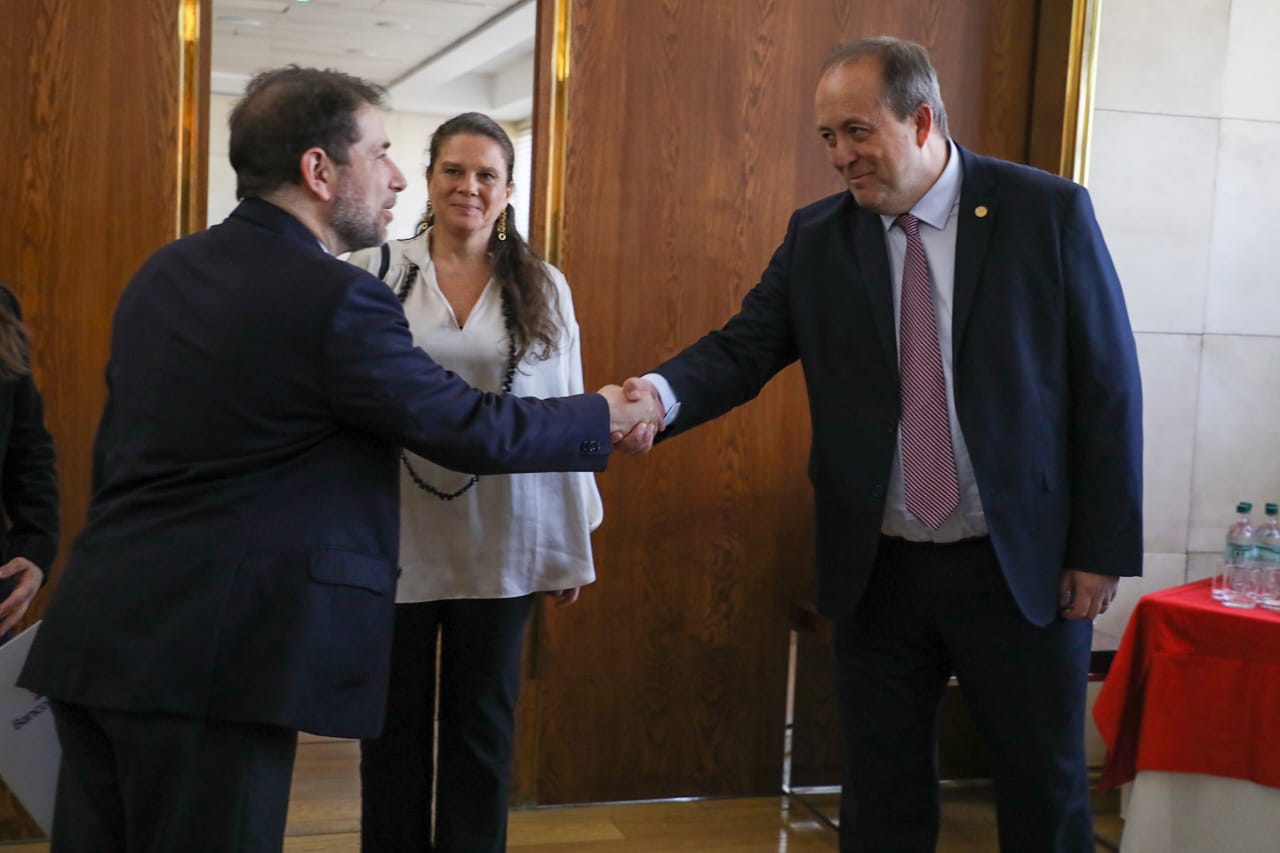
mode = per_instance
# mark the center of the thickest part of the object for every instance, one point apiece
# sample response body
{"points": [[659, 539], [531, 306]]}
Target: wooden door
{"points": [[688, 141]]}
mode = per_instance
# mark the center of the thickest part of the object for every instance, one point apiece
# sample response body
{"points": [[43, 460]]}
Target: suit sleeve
{"points": [[730, 366], [1106, 405], [380, 382]]}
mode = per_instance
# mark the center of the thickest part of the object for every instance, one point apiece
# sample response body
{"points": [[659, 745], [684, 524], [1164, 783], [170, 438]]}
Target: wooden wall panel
{"points": [[88, 189], [690, 140]]}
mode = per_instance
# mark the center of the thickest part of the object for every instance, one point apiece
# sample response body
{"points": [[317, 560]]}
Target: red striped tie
{"points": [[928, 461]]}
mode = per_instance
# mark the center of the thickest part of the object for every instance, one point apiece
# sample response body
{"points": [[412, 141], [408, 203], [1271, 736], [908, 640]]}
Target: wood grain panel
{"points": [[655, 177], [690, 142], [88, 184], [90, 192], [524, 771]]}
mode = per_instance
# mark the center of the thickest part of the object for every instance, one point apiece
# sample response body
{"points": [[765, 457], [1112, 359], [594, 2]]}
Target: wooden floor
{"points": [[324, 817]]}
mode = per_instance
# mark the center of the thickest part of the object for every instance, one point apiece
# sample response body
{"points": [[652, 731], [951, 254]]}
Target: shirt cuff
{"points": [[670, 405]]}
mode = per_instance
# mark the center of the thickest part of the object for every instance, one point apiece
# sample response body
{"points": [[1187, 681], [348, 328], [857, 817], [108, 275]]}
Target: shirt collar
{"points": [[936, 205]]}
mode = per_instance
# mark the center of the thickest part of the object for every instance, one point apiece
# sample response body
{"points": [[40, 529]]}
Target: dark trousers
{"points": [[154, 783], [930, 611], [480, 644]]}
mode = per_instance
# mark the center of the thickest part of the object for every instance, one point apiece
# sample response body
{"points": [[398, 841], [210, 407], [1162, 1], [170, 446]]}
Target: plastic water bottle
{"points": [[1239, 549], [1239, 562], [1266, 540]]}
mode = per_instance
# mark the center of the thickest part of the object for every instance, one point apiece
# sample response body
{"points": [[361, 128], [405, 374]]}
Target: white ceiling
{"points": [[438, 57]]}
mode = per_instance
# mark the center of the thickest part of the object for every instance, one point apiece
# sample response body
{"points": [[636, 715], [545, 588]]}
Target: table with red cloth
{"points": [[1195, 689]]}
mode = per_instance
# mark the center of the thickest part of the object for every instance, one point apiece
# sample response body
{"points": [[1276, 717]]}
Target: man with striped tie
{"points": [[977, 447]]}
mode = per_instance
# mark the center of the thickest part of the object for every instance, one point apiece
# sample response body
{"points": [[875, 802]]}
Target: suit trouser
{"points": [[153, 783], [480, 643], [930, 611]]}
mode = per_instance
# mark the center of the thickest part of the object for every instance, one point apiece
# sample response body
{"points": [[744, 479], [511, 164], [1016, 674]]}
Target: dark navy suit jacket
{"points": [[1045, 370], [239, 559]]}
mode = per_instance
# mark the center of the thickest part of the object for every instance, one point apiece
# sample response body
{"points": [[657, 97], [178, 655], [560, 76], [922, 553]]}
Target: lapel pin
{"points": [[980, 211]]}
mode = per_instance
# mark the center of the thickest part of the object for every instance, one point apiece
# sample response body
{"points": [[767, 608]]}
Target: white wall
{"points": [[409, 133], [1185, 176]]}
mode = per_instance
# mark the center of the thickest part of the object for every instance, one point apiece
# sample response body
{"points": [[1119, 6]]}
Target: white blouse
{"points": [[508, 535]]}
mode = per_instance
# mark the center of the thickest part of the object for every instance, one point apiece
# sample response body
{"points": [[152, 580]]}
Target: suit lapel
{"points": [[975, 221], [871, 268]]}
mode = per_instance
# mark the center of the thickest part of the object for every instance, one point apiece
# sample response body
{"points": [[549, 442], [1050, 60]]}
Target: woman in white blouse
{"points": [[474, 551]]}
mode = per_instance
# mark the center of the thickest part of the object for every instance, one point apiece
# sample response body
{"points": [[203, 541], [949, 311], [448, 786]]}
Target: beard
{"points": [[354, 225]]}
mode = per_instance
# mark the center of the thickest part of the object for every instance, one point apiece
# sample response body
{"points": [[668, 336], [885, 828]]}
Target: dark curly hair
{"points": [[288, 110], [525, 281], [13, 338]]}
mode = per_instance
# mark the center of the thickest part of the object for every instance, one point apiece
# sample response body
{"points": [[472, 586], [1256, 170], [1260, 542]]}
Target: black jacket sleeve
{"points": [[28, 484]]}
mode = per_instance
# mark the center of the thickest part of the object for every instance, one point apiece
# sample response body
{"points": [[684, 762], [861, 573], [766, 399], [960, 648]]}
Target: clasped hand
{"points": [[635, 415], [28, 579]]}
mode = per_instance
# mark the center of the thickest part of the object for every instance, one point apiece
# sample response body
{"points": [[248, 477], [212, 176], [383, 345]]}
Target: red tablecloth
{"points": [[1194, 688]]}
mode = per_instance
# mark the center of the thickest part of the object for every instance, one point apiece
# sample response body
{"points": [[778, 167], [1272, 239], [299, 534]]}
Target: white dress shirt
{"points": [[937, 211], [509, 535]]}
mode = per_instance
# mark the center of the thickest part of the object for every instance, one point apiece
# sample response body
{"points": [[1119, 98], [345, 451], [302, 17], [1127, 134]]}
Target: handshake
{"points": [[636, 415]]}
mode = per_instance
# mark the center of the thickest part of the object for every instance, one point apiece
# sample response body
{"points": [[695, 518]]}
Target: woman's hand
{"points": [[565, 597], [29, 577]]}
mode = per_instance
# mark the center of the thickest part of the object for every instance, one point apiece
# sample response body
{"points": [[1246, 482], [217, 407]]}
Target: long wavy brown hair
{"points": [[13, 339], [526, 284]]}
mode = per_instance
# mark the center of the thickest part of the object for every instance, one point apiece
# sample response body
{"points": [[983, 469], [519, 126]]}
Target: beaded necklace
{"points": [[509, 321]]}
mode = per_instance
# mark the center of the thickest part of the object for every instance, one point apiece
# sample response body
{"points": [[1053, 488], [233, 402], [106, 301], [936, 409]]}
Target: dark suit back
{"points": [[239, 557], [1045, 367]]}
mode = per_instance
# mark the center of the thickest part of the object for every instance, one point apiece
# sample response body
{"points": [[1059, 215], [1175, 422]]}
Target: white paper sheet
{"points": [[29, 751]]}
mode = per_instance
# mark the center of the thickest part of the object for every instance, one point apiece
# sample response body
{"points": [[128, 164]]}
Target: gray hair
{"points": [[907, 75]]}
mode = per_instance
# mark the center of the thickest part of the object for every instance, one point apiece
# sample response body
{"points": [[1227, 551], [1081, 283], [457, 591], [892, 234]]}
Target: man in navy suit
{"points": [[235, 580], [976, 407]]}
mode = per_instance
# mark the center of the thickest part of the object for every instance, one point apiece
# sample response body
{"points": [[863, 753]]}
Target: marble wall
{"points": [[1185, 176]]}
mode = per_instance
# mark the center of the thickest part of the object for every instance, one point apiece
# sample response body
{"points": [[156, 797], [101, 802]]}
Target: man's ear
{"points": [[924, 123], [319, 173]]}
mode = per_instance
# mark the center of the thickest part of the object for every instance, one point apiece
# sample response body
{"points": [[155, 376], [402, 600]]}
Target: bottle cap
{"points": [[1244, 506]]}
